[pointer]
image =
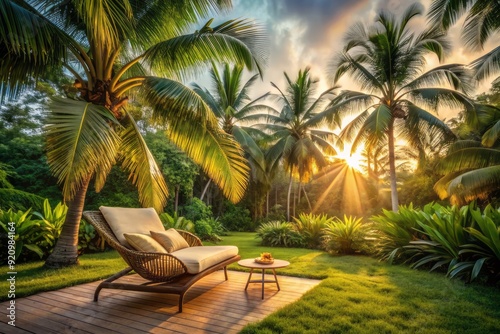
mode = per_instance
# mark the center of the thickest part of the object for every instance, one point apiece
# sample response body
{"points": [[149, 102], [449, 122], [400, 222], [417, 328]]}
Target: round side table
{"points": [[250, 263]]}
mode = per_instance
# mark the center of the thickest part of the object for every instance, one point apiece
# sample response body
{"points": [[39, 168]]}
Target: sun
{"points": [[353, 160]]}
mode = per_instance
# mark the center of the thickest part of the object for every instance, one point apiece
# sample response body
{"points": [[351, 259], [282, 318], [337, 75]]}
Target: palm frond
{"points": [[218, 154], [475, 184], [173, 102], [229, 42], [445, 12], [30, 45], [487, 65], [491, 136], [480, 23], [469, 158], [80, 141], [143, 170]]}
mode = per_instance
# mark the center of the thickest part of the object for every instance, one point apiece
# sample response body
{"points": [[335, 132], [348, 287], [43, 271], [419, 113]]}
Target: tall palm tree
{"points": [[387, 60], [300, 143], [112, 48], [230, 102], [482, 21]]}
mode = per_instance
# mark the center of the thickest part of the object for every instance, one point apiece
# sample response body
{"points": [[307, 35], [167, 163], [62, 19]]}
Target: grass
{"points": [[357, 295]]}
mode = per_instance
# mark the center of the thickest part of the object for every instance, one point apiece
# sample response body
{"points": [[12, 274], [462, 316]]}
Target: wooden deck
{"points": [[212, 305]]}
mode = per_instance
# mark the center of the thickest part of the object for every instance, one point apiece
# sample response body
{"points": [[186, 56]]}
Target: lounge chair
{"points": [[172, 273]]}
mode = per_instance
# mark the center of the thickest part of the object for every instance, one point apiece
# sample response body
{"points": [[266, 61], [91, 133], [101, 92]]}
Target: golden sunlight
{"points": [[353, 160]]}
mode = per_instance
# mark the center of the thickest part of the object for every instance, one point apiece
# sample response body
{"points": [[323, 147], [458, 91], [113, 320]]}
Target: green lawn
{"points": [[358, 294]]}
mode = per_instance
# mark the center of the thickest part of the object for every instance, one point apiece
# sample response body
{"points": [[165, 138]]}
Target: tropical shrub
{"points": [[52, 222], [197, 210], [311, 228], [89, 240], [395, 230], [209, 229], [27, 234], [236, 218], [177, 222], [483, 253], [463, 241], [444, 234], [276, 233], [347, 236]]}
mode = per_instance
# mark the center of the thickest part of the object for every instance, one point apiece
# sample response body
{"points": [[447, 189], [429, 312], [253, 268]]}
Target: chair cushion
{"points": [[131, 220], [199, 258], [143, 243], [170, 239]]}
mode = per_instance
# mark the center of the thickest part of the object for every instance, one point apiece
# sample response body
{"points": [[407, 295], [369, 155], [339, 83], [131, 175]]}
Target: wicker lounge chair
{"points": [[165, 272]]}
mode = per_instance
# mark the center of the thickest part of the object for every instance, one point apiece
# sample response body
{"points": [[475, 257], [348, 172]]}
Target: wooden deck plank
{"points": [[212, 305]]}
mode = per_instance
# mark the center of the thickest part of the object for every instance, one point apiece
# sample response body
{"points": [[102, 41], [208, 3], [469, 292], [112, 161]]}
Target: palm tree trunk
{"points": [[267, 203], [176, 203], [66, 250], [288, 199], [205, 190], [307, 198], [392, 168]]}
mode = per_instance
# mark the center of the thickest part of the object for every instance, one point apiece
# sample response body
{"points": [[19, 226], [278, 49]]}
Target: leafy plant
{"points": [[395, 230], [177, 222], [27, 232], [444, 229], [346, 236], [52, 221], [209, 229], [197, 210], [311, 228], [276, 233], [484, 250], [88, 239], [236, 218]]}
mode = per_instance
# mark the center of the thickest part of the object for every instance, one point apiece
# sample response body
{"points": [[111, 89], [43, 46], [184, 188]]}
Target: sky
{"points": [[309, 32]]}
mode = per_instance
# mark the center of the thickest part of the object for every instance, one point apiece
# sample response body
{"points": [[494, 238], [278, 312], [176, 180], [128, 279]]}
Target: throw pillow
{"points": [[143, 243], [170, 239]]}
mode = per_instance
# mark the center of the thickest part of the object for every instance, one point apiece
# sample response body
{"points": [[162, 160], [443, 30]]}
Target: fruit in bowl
{"points": [[265, 258]]}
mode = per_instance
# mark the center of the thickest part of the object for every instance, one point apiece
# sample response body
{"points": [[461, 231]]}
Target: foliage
{"points": [[311, 228], [276, 233], [347, 236], [236, 218], [27, 233], [463, 241], [484, 250], [444, 231], [395, 230], [52, 222], [89, 240], [177, 222], [196, 210], [209, 229]]}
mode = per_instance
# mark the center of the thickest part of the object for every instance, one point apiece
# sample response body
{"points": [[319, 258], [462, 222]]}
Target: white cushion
{"points": [[199, 258], [170, 239], [131, 220]]}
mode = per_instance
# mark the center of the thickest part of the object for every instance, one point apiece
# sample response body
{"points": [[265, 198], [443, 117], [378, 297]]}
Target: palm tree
{"points": [[299, 142], [387, 61], [112, 48], [234, 109], [482, 21]]}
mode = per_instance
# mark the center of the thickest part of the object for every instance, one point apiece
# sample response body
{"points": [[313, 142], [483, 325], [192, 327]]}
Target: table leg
{"points": [[249, 277], [263, 272], [276, 279]]}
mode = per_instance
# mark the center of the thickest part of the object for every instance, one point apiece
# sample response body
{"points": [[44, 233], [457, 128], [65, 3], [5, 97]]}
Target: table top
{"points": [[250, 263]]}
